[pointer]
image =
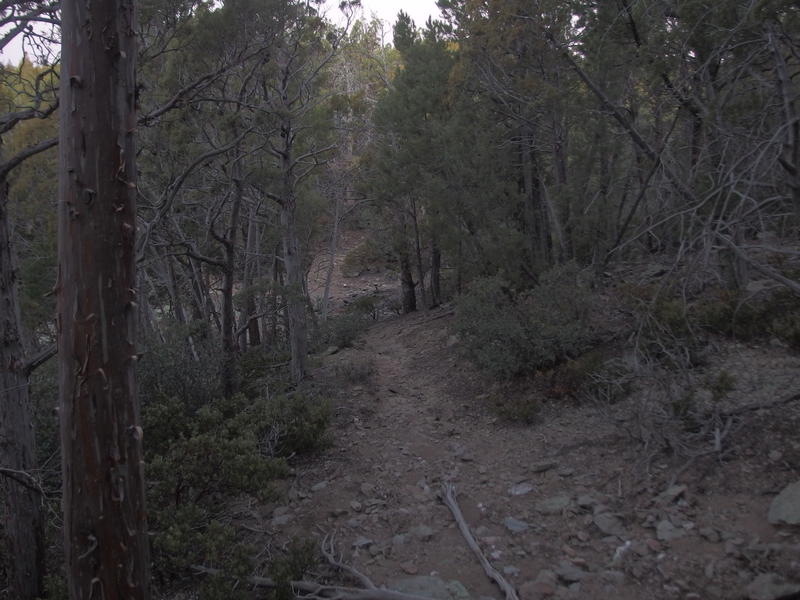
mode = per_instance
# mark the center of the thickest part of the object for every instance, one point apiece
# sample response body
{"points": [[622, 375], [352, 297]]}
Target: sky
{"points": [[418, 10], [386, 10]]}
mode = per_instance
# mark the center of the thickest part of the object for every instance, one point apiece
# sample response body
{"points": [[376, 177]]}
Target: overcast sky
{"points": [[386, 10], [418, 10]]}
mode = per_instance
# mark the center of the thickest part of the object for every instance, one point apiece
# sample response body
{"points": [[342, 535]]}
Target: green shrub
{"points": [[510, 334], [299, 558], [343, 330], [201, 458], [168, 368], [197, 460], [298, 425]]}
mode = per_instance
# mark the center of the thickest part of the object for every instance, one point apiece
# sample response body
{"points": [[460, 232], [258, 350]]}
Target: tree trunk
{"points": [[535, 211], [409, 296], [24, 525], [331, 257], [251, 330], [418, 248], [230, 384], [106, 544], [436, 272], [295, 299]]}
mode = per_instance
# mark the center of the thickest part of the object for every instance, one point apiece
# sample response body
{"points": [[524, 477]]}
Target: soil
{"points": [[583, 503]]}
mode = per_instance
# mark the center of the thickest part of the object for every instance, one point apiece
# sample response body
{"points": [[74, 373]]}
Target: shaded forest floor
{"points": [[581, 504]]}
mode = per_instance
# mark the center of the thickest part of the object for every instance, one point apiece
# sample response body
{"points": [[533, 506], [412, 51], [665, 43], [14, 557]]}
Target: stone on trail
{"points": [[769, 586], [431, 587], [666, 531], [785, 508], [609, 524], [553, 506], [545, 586], [422, 533], [570, 572], [520, 489], [515, 525]]}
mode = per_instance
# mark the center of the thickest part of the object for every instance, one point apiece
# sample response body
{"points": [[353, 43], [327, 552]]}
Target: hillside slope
{"points": [[574, 506]]}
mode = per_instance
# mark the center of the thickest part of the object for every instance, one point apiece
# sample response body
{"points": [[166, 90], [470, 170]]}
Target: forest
{"points": [[219, 219]]}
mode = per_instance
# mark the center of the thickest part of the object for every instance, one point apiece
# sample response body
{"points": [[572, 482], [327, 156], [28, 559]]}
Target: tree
{"points": [[105, 527], [26, 94]]}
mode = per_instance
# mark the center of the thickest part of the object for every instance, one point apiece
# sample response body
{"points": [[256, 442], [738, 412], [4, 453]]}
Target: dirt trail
{"points": [[570, 507], [563, 507]]}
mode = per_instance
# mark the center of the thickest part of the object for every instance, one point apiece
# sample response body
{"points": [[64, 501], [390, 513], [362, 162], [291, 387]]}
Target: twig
{"points": [[23, 478], [760, 406], [449, 498], [329, 551]]}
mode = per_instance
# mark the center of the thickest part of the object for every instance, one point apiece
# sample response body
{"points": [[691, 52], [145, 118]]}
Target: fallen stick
{"points": [[449, 498], [761, 406]]}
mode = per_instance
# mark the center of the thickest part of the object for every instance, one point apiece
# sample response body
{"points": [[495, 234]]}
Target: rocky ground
{"points": [[573, 506], [594, 500]]}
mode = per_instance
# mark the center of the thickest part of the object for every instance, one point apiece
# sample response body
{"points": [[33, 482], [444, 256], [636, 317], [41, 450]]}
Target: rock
{"points": [[569, 572], [613, 577], [511, 571], [398, 540], [422, 533], [362, 542], [610, 524], [553, 506], [520, 489], [541, 467], [587, 502], [769, 586], [356, 506], [368, 489], [410, 568], [785, 508], [431, 587], [280, 511], [515, 525], [673, 494], [709, 534], [544, 586], [666, 531], [318, 487], [566, 472], [281, 520], [775, 455]]}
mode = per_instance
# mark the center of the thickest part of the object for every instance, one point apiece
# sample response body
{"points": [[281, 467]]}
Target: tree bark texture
{"points": [[295, 298], [106, 545], [23, 523]]}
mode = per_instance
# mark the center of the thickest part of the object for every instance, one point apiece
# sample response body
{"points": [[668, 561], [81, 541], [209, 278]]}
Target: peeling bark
{"points": [[105, 528]]}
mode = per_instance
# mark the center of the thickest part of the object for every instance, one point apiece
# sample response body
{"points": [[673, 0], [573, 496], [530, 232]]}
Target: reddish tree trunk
{"points": [[106, 544]]}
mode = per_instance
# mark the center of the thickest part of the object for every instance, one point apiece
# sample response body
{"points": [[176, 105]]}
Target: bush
{"points": [[510, 334], [197, 460], [168, 368]]}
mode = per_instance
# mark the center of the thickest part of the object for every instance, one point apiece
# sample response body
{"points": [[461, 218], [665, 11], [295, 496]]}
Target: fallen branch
{"points": [[329, 552], [448, 496], [760, 406], [316, 591]]}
